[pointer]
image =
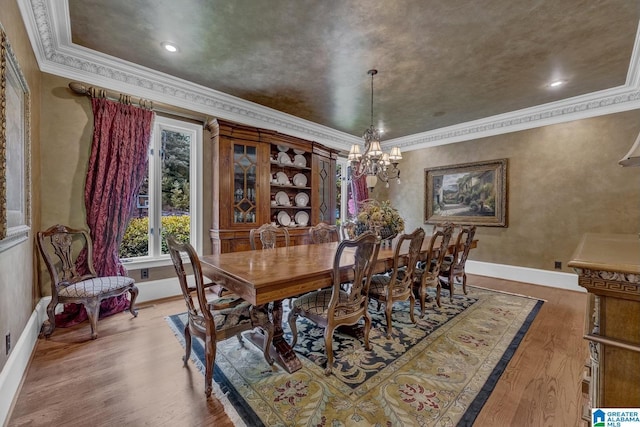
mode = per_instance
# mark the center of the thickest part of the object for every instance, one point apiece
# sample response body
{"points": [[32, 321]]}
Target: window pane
{"points": [[135, 242], [176, 149]]}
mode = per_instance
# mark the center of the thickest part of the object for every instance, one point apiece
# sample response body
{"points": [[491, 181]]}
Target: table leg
{"points": [[281, 351]]}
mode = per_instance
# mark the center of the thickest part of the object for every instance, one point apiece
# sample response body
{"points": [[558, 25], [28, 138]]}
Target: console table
{"points": [[608, 267]]}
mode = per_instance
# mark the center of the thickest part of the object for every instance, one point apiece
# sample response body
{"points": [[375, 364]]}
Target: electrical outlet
{"points": [[558, 265], [7, 343], [144, 273]]}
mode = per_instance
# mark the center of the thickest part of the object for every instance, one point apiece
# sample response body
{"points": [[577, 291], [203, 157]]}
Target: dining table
{"points": [[265, 278]]}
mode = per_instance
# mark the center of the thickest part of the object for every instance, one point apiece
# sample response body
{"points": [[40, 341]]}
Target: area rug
{"points": [[439, 372]]}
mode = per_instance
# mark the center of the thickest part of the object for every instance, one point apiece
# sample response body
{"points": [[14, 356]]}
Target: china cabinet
{"points": [[262, 176], [608, 267]]}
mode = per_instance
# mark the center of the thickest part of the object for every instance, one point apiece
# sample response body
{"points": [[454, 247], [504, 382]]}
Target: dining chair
{"points": [[335, 306], [209, 324], [397, 284], [268, 236], [324, 233], [428, 269], [454, 267], [68, 255]]}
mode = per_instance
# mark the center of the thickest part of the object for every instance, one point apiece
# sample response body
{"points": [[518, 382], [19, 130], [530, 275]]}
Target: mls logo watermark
{"points": [[615, 417]]}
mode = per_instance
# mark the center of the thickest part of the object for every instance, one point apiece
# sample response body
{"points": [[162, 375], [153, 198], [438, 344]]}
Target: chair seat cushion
{"points": [[96, 286], [227, 318], [232, 316], [379, 284], [317, 302]]}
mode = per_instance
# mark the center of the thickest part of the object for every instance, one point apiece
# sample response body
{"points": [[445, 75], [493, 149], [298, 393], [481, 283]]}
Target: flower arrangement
{"points": [[379, 217]]}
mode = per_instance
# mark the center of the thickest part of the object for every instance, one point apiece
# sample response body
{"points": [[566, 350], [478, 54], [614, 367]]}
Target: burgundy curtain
{"points": [[360, 190], [117, 166]]}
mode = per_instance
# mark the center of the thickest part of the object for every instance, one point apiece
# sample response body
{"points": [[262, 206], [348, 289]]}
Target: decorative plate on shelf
{"points": [[283, 148], [299, 180], [282, 178], [284, 218], [302, 218], [281, 198], [299, 160], [284, 158], [297, 151], [302, 199]]}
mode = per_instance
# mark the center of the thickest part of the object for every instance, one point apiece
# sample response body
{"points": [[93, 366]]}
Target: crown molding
{"points": [[49, 29]]}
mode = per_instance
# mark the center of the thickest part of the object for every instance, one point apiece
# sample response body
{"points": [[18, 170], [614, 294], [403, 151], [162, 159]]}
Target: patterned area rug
{"points": [[436, 373]]}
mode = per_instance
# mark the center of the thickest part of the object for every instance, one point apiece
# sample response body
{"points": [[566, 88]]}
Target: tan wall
{"points": [[18, 293], [67, 130], [563, 181]]}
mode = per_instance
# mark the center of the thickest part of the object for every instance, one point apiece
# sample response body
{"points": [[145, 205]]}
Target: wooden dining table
{"points": [[269, 276]]}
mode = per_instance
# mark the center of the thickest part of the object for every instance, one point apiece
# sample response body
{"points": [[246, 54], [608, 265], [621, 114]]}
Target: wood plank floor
{"points": [[133, 375]]}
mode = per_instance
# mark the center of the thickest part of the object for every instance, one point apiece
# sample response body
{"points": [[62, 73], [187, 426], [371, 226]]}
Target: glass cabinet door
{"points": [[245, 159], [326, 191]]}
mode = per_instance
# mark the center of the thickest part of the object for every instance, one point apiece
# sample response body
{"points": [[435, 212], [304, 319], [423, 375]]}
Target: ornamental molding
{"points": [[613, 276], [49, 29]]}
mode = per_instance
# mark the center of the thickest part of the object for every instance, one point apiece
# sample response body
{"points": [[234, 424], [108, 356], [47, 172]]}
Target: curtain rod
{"points": [[98, 92]]}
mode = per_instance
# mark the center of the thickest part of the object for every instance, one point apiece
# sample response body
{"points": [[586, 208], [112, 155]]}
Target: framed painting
{"points": [[466, 194], [15, 198]]}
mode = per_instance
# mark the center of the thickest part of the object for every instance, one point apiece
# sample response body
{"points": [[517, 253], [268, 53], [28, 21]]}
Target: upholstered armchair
{"points": [[68, 255]]}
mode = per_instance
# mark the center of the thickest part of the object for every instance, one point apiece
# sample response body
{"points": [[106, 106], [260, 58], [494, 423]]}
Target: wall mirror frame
{"points": [[15, 149]]}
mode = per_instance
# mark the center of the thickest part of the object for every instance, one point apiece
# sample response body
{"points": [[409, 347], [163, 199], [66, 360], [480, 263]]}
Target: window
{"points": [[169, 199], [344, 205]]}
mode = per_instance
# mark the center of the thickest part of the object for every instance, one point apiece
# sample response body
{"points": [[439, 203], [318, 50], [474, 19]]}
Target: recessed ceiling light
{"points": [[170, 47], [557, 83]]}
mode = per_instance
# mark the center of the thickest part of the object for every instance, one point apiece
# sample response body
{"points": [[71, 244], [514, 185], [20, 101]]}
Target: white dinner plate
{"points": [[283, 148], [281, 198], [302, 199], [283, 218], [299, 160], [299, 180], [284, 158], [302, 218], [297, 151], [282, 178]]}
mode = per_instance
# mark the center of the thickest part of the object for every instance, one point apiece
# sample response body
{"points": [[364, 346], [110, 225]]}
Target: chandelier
{"points": [[373, 162]]}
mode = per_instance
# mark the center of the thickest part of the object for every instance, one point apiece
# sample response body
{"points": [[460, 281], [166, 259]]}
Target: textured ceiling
{"points": [[440, 62]]}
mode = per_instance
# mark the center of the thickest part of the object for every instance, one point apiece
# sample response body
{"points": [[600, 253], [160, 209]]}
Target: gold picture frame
{"points": [[467, 194], [15, 149]]}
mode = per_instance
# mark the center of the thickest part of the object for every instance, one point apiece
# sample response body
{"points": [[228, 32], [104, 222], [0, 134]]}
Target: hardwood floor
{"points": [[133, 375]]}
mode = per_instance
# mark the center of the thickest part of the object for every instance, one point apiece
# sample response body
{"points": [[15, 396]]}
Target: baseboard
{"points": [[18, 361], [554, 279], [158, 289]]}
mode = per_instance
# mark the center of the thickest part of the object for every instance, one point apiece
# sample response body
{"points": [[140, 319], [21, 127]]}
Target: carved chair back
{"points": [[324, 233], [268, 236], [398, 284]]}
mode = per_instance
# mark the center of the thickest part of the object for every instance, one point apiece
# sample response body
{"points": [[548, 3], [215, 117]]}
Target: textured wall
{"points": [[17, 291], [563, 181]]}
